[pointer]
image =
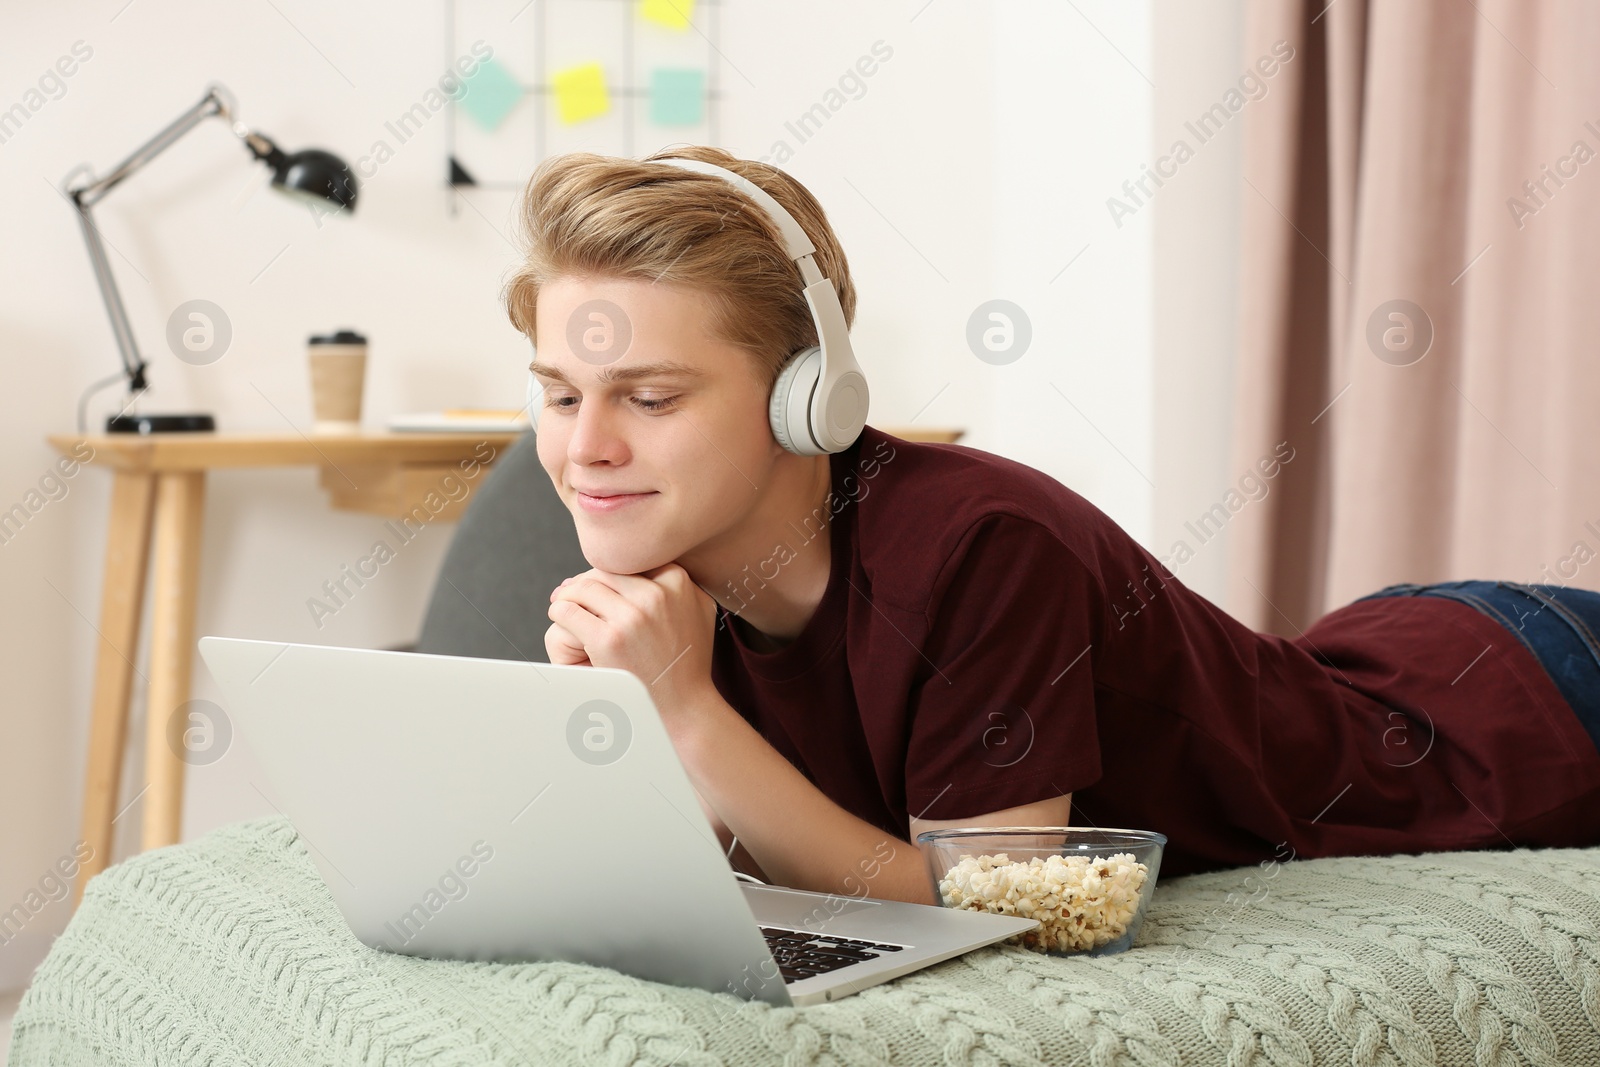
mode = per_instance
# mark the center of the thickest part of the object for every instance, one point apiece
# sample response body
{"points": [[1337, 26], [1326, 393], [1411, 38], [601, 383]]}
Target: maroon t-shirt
{"points": [[989, 638]]}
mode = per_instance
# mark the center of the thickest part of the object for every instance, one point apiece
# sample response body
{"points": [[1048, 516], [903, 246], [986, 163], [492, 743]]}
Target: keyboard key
{"points": [[849, 954], [826, 966], [800, 954]]}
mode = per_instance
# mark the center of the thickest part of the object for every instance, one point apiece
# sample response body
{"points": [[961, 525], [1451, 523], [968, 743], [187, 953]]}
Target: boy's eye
{"points": [[644, 403]]}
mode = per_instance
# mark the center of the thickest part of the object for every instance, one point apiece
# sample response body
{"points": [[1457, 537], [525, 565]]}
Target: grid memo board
{"points": [[617, 77]]}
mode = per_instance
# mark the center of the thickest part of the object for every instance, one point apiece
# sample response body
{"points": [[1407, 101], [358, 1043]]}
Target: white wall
{"points": [[975, 166], [1072, 118], [1195, 216]]}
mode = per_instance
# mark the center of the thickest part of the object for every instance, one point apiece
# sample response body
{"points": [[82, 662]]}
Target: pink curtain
{"points": [[1418, 319]]}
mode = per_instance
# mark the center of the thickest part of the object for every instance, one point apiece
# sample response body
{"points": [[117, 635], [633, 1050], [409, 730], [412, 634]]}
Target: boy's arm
{"points": [[738, 856], [797, 834], [659, 626], [1052, 812]]}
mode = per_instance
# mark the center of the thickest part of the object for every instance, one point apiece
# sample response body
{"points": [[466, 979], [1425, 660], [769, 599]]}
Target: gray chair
{"points": [[514, 544]]}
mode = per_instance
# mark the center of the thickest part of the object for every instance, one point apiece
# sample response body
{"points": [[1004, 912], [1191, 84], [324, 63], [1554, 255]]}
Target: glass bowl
{"points": [[1088, 887]]}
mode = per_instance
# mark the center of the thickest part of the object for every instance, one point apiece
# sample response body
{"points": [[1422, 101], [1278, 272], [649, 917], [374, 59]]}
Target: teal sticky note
{"points": [[489, 94], [677, 97]]}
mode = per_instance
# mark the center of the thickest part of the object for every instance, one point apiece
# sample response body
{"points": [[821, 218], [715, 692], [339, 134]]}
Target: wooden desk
{"points": [[157, 498]]}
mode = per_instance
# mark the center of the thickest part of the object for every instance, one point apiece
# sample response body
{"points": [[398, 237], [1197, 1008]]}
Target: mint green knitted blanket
{"points": [[229, 950]]}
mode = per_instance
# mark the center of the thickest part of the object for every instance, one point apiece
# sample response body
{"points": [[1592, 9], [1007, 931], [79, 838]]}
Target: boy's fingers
{"points": [[668, 574], [598, 598], [562, 648], [583, 625]]}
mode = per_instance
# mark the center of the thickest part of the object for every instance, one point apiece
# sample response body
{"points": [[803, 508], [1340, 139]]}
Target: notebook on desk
{"points": [[464, 420]]}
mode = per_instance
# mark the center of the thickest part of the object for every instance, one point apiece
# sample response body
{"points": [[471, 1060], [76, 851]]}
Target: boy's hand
{"points": [[657, 625]]}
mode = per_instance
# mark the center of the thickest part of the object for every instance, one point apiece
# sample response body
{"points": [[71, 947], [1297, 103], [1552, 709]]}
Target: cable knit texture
{"points": [[229, 950]]}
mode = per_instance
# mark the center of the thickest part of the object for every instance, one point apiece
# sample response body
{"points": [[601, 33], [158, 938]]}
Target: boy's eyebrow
{"points": [[632, 372]]}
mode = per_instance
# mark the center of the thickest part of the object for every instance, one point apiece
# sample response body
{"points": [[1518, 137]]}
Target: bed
{"points": [[229, 950]]}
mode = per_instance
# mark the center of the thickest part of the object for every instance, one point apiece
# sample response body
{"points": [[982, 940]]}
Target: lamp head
{"points": [[317, 175], [309, 174]]}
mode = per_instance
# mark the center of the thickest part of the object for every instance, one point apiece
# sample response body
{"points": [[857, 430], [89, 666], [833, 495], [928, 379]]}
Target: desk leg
{"points": [[180, 496], [121, 603]]}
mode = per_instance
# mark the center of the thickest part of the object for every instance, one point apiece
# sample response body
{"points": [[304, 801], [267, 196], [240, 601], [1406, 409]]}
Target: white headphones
{"points": [[819, 402]]}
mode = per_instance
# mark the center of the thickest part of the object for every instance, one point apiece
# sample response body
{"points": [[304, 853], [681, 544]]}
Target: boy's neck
{"points": [[767, 572]]}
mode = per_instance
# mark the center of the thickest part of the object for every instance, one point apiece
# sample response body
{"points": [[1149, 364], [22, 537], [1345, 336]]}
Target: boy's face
{"points": [[641, 401]]}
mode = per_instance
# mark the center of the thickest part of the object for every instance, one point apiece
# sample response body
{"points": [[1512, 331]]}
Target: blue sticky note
{"points": [[677, 97], [489, 94]]}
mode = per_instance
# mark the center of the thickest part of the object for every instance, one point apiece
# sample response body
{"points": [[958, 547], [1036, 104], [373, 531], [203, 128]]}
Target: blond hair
{"points": [[587, 215]]}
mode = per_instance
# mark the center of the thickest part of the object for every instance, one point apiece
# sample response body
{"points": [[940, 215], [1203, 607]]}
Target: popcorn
{"points": [[1081, 902]]}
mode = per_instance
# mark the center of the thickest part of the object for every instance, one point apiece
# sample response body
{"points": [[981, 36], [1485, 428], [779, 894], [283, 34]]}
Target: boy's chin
{"points": [[620, 560]]}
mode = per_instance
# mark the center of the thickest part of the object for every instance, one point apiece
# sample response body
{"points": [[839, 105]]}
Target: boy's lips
{"points": [[604, 500]]}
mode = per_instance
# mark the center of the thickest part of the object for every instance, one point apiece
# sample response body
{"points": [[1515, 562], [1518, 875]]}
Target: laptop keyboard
{"points": [[801, 954]]}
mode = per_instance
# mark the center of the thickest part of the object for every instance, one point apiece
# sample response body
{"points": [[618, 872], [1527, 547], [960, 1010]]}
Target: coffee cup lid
{"points": [[343, 337]]}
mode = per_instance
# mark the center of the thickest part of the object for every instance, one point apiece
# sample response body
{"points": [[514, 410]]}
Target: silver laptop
{"points": [[506, 810]]}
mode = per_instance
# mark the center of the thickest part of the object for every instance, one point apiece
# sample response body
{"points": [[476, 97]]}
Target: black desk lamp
{"points": [[312, 175]]}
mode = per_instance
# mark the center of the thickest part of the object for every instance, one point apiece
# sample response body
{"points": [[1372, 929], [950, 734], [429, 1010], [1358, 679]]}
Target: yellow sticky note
{"points": [[581, 92], [673, 14]]}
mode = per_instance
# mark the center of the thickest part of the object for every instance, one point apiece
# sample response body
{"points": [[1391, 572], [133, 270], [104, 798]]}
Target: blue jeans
{"points": [[1558, 624]]}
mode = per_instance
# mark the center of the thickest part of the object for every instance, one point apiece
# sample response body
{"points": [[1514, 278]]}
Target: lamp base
{"points": [[160, 424]]}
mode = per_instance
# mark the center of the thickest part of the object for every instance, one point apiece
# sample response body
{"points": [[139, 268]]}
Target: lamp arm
{"points": [[91, 192], [88, 192], [132, 362]]}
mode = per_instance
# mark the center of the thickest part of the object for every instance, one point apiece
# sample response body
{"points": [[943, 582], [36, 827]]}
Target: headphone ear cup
{"points": [[789, 410]]}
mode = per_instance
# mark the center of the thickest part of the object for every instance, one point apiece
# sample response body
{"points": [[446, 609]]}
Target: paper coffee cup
{"points": [[338, 371]]}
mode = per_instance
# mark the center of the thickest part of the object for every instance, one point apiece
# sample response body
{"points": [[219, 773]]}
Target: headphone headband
{"points": [[794, 235]]}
